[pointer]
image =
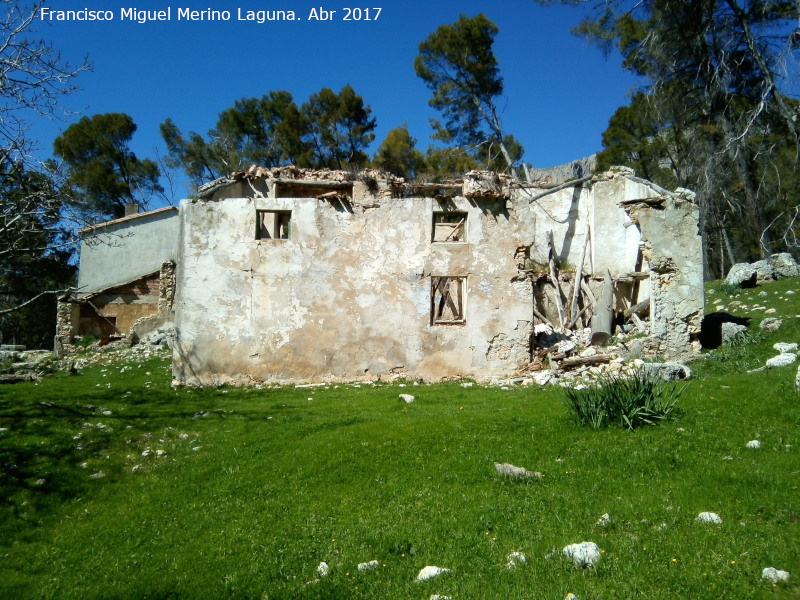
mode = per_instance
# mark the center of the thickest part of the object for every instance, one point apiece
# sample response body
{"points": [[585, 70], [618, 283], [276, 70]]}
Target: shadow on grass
{"points": [[56, 436]]}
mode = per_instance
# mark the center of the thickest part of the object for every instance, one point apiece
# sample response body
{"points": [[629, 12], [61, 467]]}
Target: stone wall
{"points": [[671, 245], [357, 289]]}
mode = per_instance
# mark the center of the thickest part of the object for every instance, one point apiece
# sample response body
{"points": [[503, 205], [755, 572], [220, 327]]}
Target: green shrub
{"points": [[640, 399], [84, 341], [730, 290]]}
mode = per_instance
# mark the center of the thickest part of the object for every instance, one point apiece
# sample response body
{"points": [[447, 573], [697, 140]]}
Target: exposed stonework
{"points": [[292, 275], [127, 277], [166, 286], [671, 245], [288, 275], [67, 314]]}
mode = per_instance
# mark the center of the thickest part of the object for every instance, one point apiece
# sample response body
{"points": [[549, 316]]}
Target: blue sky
{"points": [[559, 91]]}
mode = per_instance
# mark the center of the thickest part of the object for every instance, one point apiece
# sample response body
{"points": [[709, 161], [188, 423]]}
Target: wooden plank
{"points": [[554, 279], [586, 361], [603, 313]]}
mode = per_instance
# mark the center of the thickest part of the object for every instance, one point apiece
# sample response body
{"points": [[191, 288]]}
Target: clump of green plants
{"points": [[740, 353], [85, 341], [642, 398], [730, 289]]}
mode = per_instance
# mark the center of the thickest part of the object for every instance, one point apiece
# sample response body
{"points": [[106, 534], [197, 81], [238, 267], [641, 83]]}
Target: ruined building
{"points": [[288, 275]]}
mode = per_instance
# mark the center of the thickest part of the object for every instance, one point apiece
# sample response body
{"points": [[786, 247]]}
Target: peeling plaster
{"points": [[348, 295]]}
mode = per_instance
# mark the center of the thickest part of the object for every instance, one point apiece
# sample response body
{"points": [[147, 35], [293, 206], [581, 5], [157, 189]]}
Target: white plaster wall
{"points": [[118, 253], [347, 296], [615, 238]]}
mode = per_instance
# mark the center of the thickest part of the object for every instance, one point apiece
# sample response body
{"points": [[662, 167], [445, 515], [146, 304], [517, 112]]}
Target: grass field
{"points": [[114, 485]]}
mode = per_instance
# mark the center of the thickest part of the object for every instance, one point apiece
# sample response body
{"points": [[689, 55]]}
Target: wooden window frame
{"points": [[454, 230], [448, 300]]}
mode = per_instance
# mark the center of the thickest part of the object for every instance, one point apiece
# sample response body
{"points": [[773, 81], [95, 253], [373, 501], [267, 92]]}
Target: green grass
{"points": [[248, 498]]}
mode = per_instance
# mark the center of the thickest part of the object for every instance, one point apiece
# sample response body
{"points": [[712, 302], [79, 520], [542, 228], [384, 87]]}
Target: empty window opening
{"points": [[447, 300], [273, 224], [449, 227], [312, 189]]}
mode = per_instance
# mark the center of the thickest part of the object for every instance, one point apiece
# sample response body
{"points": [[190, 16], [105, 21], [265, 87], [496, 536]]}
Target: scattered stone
{"points": [[430, 572], [98, 475], [135, 468], [668, 371], [782, 360], [542, 377], [771, 324], [774, 575], [566, 346], [515, 559], [438, 597], [790, 292], [784, 347], [368, 566], [753, 445], [407, 398], [742, 275], [797, 381], [512, 472], [762, 294], [469, 384], [770, 311], [584, 555], [604, 521], [709, 517], [323, 569], [731, 330]]}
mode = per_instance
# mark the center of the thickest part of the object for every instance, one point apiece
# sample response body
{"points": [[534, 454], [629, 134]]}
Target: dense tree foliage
{"points": [[101, 167], [262, 131], [716, 116], [458, 65], [398, 154], [338, 129], [34, 247], [329, 131]]}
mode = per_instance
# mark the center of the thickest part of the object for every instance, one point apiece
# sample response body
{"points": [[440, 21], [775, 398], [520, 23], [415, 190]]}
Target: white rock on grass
{"points": [[368, 566], [584, 555], [430, 572], [785, 347], [438, 597], [323, 569], [782, 360], [515, 559], [604, 521], [753, 445], [542, 377], [774, 575], [797, 380], [771, 324], [407, 398], [709, 517], [512, 472]]}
